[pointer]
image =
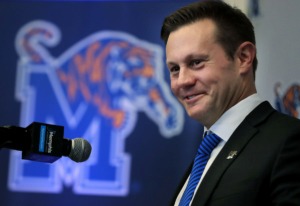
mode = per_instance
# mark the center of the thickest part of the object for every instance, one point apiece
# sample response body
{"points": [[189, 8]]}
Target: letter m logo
{"points": [[95, 90]]}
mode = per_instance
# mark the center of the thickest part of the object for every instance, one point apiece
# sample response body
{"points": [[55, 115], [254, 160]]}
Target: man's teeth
{"points": [[190, 97]]}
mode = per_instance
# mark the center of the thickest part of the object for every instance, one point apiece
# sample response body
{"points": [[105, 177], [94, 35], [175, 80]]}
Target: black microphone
{"points": [[44, 143]]}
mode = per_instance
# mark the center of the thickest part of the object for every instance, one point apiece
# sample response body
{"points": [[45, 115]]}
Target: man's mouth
{"points": [[190, 97]]}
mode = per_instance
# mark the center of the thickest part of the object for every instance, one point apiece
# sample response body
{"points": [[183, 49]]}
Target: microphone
{"points": [[44, 143]]}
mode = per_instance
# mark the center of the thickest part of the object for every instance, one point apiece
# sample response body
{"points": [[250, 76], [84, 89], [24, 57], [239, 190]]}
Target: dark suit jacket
{"points": [[266, 168]]}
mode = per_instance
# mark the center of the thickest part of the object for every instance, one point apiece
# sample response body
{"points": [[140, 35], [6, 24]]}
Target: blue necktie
{"points": [[207, 145]]}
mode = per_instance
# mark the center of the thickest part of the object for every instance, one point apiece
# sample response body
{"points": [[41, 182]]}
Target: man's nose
{"points": [[186, 77]]}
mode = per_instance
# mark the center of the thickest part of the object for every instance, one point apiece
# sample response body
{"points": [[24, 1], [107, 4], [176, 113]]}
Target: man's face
{"points": [[203, 78]]}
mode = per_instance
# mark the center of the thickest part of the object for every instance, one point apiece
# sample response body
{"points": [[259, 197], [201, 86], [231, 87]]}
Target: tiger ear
{"points": [[245, 54]]}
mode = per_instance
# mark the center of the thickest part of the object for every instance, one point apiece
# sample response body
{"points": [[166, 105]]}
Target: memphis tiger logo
{"points": [[95, 90], [289, 101]]}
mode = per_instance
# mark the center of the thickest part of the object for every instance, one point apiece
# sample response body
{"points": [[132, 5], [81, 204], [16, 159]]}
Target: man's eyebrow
{"points": [[171, 63], [188, 58], [196, 56]]}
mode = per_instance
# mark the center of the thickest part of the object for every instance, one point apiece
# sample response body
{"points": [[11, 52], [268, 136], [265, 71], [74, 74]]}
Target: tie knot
{"points": [[209, 142]]}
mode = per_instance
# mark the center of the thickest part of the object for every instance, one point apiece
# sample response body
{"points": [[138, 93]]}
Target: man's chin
{"points": [[197, 115]]}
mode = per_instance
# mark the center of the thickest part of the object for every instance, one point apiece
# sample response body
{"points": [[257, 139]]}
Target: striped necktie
{"points": [[207, 145]]}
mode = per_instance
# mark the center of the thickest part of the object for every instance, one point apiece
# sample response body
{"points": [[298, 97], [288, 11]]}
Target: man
{"points": [[211, 56]]}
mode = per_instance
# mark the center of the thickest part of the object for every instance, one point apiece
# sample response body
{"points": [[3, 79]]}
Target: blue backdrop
{"points": [[98, 69]]}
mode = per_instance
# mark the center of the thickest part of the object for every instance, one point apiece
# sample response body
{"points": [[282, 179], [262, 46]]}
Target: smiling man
{"points": [[251, 153]]}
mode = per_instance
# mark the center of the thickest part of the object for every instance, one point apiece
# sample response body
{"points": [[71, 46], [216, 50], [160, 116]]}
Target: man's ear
{"points": [[245, 55]]}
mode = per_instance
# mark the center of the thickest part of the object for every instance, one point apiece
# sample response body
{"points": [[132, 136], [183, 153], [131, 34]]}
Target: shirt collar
{"points": [[232, 118]]}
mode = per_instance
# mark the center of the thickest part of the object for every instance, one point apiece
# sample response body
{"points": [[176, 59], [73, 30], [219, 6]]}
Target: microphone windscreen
{"points": [[80, 150]]}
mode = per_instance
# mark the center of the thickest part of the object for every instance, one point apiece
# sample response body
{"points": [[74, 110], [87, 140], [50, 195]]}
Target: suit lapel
{"points": [[230, 151]]}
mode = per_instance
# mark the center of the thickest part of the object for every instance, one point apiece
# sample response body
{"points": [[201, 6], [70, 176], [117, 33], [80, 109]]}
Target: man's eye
{"points": [[174, 69], [195, 62]]}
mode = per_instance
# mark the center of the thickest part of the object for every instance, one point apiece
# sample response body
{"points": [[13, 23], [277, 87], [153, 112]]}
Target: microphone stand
{"points": [[3, 136], [12, 137]]}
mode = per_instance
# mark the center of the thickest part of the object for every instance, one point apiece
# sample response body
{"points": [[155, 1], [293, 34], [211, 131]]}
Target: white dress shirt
{"points": [[224, 127]]}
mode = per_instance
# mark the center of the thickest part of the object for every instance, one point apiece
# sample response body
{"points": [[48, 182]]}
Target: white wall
{"points": [[277, 31]]}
